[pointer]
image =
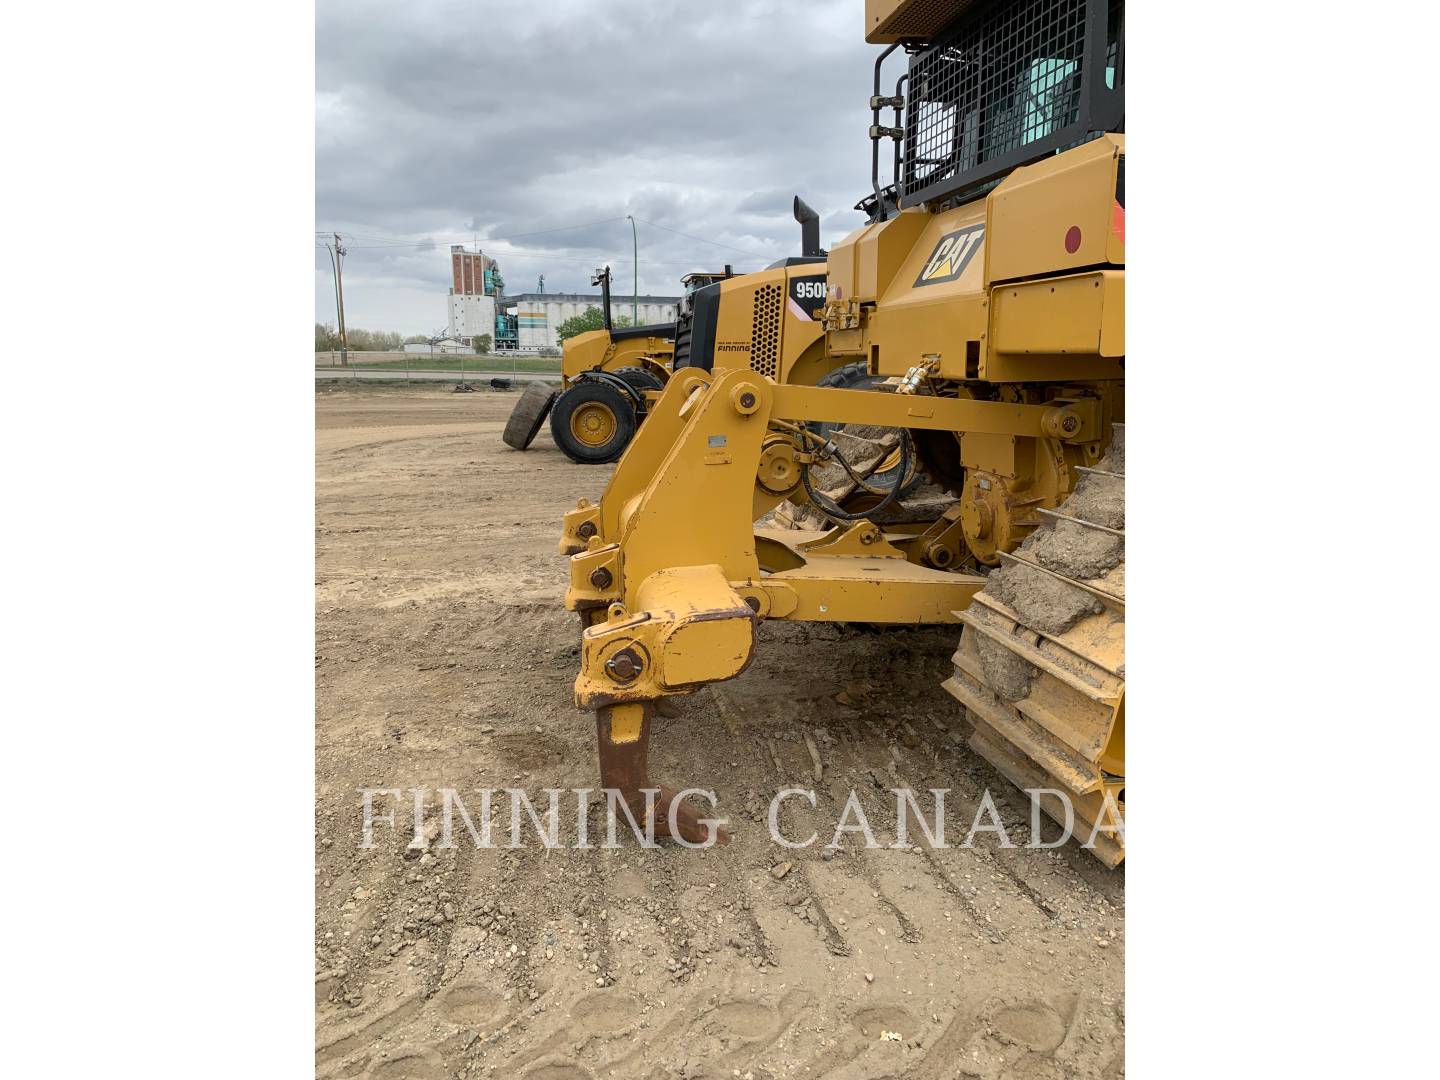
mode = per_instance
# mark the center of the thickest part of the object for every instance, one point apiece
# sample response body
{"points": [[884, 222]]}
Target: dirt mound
{"points": [[1065, 548], [1042, 601]]}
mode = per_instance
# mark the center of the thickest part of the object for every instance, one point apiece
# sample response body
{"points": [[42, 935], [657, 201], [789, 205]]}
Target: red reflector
{"points": [[1072, 239]]}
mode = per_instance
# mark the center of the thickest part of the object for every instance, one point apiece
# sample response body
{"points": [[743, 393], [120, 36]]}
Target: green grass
{"points": [[423, 362], [399, 382]]}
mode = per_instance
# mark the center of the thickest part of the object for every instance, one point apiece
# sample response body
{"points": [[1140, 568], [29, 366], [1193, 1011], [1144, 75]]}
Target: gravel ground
{"points": [[445, 660]]}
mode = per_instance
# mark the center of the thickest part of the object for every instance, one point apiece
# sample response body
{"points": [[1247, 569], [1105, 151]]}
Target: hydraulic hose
{"points": [[830, 508]]}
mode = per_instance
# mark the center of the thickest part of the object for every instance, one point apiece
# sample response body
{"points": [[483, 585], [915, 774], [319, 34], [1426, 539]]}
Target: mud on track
{"points": [[444, 658]]}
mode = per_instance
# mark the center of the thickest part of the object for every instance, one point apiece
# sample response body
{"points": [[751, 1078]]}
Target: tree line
{"points": [[327, 339]]}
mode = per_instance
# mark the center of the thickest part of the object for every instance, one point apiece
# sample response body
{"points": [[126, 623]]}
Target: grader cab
{"points": [[988, 289]]}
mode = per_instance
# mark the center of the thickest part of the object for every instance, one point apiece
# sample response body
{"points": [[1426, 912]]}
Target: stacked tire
{"points": [[529, 413]]}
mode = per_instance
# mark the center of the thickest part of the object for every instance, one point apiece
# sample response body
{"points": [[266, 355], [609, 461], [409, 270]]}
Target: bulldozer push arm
{"points": [[636, 481], [672, 559], [671, 577]]}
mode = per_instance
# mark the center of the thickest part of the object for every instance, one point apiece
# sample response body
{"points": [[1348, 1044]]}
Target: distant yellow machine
{"points": [[609, 375], [988, 287], [768, 321], [605, 375]]}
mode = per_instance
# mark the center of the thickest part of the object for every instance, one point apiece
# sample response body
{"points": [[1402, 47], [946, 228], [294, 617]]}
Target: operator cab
{"points": [[698, 280]]}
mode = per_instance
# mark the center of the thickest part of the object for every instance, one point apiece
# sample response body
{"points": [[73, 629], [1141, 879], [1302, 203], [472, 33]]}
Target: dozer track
{"points": [[1041, 663]]}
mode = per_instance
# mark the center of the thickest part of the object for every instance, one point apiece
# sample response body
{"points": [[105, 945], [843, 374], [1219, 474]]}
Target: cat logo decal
{"points": [[951, 255]]}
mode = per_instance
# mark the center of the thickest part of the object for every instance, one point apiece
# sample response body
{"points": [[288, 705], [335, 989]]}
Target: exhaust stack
{"points": [[809, 228], [602, 278]]}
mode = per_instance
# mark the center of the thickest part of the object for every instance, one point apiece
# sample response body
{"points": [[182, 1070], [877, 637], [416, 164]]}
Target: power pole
{"points": [[635, 288], [334, 276], [340, 300]]}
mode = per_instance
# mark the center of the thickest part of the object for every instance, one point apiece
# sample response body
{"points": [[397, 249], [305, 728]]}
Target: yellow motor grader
{"points": [[604, 378], [768, 320], [988, 285]]}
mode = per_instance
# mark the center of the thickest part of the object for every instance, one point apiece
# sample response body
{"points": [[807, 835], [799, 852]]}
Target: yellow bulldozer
{"points": [[987, 288]]}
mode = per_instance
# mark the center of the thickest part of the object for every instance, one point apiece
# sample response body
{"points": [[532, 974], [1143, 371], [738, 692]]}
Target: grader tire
{"points": [[640, 380], [593, 422], [1041, 663], [529, 413]]}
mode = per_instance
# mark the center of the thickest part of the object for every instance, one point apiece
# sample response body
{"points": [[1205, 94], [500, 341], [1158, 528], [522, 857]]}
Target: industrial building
{"points": [[471, 316], [472, 294], [539, 315], [528, 322]]}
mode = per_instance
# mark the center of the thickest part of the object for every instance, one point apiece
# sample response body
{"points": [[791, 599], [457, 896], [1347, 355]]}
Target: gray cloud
{"points": [[445, 121]]}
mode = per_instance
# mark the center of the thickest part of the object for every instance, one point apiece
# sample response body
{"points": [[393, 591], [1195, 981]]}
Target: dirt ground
{"points": [[445, 658]]}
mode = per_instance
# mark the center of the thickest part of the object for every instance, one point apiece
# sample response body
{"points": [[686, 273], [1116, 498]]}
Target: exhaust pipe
{"points": [[809, 228], [602, 278]]}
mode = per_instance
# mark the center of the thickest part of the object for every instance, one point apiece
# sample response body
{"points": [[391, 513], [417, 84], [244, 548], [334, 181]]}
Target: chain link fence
{"points": [[441, 367]]}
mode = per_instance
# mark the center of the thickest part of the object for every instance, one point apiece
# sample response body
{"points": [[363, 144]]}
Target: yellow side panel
{"points": [[1083, 314], [799, 328], [582, 352], [882, 250], [1057, 215], [736, 325], [841, 269], [935, 302]]}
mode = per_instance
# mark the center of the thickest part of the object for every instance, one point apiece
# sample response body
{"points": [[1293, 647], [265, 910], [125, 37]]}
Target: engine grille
{"points": [[1010, 83], [765, 331]]}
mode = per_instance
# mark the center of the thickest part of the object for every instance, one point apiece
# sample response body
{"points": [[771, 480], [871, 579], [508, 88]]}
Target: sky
{"points": [[535, 129]]}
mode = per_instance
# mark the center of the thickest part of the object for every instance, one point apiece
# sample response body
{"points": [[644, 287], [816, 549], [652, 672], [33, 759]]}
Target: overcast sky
{"points": [[447, 121]]}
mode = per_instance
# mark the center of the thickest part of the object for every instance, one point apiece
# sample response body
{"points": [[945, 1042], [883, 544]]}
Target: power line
{"points": [[702, 240], [435, 245], [519, 253], [389, 242], [524, 256], [395, 240]]}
